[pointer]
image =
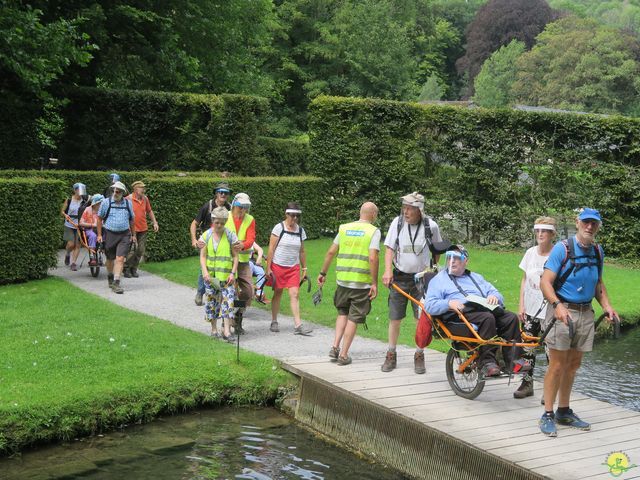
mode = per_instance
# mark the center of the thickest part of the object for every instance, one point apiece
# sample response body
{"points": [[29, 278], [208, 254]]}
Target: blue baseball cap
{"points": [[589, 214]]}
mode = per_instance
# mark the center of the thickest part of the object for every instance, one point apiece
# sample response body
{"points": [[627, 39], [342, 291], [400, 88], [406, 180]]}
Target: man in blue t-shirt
{"points": [[572, 278]]}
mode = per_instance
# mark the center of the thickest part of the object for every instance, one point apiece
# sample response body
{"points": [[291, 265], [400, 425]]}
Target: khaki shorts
{"points": [[70, 235], [398, 302], [583, 324], [353, 302]]}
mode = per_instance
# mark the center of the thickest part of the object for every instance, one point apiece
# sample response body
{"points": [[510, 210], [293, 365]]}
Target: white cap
{"points": [[241, 199], [119, 186]]}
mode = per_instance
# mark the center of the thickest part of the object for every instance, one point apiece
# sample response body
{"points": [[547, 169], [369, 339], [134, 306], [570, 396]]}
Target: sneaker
{"points": [[302, 330], [418, 363], [342, 361], [548, 425], [127, 273], [334, 353], [115, 286], [274, 327], [67, 259], [521, 366], [134, 273], [199, 299], [524, 390], [231, 338], [390, 361], [74, 267], [491, 370], [570, 419]]}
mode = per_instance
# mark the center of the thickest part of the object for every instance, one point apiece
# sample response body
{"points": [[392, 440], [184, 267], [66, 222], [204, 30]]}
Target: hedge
{"points": [[31, 227], [176, 201], [285, 156], [133, 129], [487, 173]]}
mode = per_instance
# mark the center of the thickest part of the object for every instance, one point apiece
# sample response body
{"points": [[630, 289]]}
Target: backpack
{"points": [[593, 260], [128, 207], [84, 203], [426, 223]]}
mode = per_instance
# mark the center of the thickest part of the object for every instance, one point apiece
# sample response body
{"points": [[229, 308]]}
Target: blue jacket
{"points": [[442, 289]]}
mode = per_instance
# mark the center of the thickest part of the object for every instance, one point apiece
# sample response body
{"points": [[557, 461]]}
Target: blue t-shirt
{"points": [[580, 286]]}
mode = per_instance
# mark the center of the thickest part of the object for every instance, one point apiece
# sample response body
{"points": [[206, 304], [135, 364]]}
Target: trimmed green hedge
{"points": [[487, 173], [31, 227], [176, 201], [285, 156], [134, 129]]}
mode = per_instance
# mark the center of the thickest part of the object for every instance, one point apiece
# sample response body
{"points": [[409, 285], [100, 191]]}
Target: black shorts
{"points": [[116, 244]]}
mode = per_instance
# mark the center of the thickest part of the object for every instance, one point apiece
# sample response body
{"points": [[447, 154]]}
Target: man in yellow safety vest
{"points": [[357, 246]]}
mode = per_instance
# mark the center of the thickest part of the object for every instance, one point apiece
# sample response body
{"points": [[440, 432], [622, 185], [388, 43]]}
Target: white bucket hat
{"points": [[414, 200]]}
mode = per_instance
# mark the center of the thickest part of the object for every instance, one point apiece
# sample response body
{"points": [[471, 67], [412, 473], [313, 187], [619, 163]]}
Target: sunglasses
{"points": [[219, 192], [294, 215]]}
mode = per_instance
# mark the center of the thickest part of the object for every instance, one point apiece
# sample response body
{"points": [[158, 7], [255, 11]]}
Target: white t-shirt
{"points": [[287, 252], [412, 254], [532, 265], [373, 245]]}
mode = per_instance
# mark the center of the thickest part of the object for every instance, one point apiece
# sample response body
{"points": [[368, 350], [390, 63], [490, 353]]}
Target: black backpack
{"points": [[594, 259]]}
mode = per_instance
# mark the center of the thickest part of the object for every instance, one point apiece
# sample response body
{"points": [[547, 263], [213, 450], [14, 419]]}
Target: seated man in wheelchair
{"points": [[455, 288]]}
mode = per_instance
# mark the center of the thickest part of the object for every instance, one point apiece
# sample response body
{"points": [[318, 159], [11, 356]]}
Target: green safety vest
{"points": [[353, 255], [220, 261], [244, 255]]}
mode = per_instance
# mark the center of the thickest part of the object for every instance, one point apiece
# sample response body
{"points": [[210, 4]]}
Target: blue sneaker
{"points": [[570, 419], [547, 425]]}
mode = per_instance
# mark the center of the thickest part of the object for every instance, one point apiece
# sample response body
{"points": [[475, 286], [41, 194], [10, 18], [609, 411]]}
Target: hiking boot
{"points": [[334, 353], [524, 390], [274, 327], [418, 363], [570, 419], [548, 425], [134, 273], [238, 324], [302, 330], [116, 287], [67, 259], [110, 279], [127, 273], [342, 361], [74, 267], [491, 370], [390, 361], [199, 299]]}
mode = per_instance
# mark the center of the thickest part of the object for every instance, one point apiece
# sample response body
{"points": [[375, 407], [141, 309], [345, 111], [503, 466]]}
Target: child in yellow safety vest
{"points": [[219, 264]]}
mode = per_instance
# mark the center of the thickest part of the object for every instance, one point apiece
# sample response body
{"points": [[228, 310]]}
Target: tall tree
{"points": [[580, 65], [498, 72], [496, 24]]}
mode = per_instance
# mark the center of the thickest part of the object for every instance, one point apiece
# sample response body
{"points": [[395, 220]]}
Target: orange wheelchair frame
{"points": [[462, 366], [97, 252]]}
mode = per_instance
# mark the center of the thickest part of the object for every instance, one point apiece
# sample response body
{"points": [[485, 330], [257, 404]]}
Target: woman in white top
{"points": [[286, 258], [533, 306]]}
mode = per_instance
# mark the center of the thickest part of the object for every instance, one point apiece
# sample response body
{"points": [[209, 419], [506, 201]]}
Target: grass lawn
{"points": [[72, 363], [500, 268]]}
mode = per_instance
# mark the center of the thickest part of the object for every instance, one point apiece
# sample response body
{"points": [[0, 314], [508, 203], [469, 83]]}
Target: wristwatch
{"points": [[323, 274], [555, 304]]}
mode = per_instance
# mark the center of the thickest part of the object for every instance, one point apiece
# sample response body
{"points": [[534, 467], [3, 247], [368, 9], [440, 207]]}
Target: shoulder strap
{"points": [[66, 209], [426, 222], [129, 209], [106, 215], [468, 273], [279, 238]]}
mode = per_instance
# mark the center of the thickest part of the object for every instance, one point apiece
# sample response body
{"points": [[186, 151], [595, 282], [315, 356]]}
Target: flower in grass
{"points": [[69, 334], [112, 339], [35, 364], [47, 337], [35, 341], [124, 345]]}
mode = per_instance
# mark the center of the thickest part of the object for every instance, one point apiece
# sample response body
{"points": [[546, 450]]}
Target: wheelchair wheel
{"points": [[467, 384]]}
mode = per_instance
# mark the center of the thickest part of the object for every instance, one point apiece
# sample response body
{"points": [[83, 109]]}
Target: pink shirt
{"points": [[89, 217]]}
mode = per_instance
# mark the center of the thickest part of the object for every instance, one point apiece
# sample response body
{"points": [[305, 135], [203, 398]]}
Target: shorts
{"points": [[116, 244], [583, 323], [398, 302], [70, 234], [353, 302], [286, 277]]}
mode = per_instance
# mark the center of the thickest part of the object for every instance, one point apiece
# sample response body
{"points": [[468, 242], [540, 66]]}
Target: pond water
{"points": [[611, 372], [258, 444]]}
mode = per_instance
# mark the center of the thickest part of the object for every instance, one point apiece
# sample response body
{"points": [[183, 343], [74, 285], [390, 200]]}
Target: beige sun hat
{"points": [[414, 200], [220, 212]]}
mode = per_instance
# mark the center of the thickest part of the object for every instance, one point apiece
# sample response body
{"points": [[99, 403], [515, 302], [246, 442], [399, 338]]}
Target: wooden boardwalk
{"points": [[494, 422]]}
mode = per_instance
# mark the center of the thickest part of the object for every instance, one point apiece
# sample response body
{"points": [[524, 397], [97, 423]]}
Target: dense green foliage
{"points": [[620, 14], [31, 227], [493, 83], [488, 174], [177, 200], [77, 371], [285, 156]]}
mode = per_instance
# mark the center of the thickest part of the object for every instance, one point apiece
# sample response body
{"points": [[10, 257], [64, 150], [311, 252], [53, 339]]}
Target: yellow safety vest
{"points": [[220, 261], [353, 256], [244, 255]]}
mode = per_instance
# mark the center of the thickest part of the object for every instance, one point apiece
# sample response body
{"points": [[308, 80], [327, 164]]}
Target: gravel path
{"points": [[170, 301]]}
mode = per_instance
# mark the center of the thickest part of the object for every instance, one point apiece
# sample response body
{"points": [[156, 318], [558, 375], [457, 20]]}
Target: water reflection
{"points": [[258, 444]]}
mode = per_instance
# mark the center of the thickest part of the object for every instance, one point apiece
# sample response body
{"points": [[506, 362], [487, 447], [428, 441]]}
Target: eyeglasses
{"points": [[219, 222], [115, 190], [294, 215]]}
